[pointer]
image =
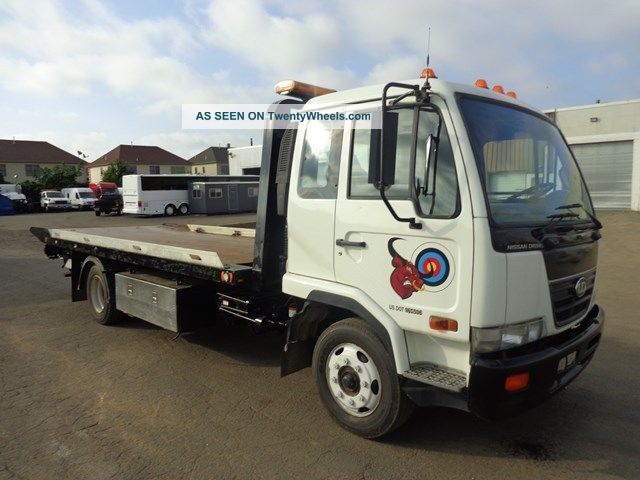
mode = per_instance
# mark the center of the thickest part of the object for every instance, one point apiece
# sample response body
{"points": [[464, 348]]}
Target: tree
{"points": [[60, 176], [115, 171], [31, 190]]}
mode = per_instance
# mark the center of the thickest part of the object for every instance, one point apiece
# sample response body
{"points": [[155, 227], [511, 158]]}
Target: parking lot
{"points": [[81, 400]]}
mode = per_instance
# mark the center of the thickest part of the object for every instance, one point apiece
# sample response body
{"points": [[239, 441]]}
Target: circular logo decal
{"points": [[433, 267], [580, 287]]}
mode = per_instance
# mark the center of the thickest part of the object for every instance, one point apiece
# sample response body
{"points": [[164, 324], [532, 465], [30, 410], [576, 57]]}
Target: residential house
{"points": [[211, 161], [22, 160], [141, 159]]}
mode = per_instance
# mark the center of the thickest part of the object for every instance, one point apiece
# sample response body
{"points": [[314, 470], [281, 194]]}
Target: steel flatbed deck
{"points": [[181, 249]]}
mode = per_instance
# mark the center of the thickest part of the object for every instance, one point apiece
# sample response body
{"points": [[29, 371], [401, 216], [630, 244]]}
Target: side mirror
{"points": [[383, 146]]}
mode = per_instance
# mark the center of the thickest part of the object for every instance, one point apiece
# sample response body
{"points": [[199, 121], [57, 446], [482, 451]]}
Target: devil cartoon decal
{"points": [[405, 278], [430, 269]]}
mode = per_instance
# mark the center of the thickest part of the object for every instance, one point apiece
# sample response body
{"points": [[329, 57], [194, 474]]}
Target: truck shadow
{"points": [[449, 430], [592, 421], [240, 342]]}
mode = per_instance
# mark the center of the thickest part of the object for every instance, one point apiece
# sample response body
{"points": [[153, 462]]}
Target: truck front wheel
{"points": [[101, 296], [357, 380]]}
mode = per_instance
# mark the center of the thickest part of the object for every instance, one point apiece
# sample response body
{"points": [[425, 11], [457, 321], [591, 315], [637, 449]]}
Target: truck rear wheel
{"points": [[184, 209], [101, 296], [357, 380], [169, 210]]}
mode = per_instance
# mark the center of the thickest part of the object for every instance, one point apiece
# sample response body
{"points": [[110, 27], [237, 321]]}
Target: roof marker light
{"points": [[512, 94], [428, 73], [498, 89], [481, 83], [300, 89]]}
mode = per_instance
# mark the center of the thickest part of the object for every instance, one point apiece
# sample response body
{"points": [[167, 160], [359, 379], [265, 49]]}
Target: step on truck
{"points": [[448, 258]]}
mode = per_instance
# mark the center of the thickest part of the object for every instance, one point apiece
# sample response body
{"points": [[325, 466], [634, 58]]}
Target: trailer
{"points": [[213, 198], [168, 195], [446, 258]]}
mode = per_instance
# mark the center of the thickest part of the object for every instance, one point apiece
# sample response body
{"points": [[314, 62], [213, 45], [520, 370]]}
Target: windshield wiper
{"points": [[592, 217], [553, 227]]}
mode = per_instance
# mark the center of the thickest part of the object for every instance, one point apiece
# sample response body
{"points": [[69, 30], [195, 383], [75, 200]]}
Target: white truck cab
{"points": [[482, 252], [447, 258]]}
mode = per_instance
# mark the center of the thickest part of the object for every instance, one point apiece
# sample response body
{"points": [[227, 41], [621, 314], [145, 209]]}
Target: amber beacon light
{"points": [[300, 89]]}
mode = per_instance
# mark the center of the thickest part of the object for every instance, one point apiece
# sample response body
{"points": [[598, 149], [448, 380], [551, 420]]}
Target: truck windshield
{"points": [[109, 191], [55, 195], [527, 168], [86, 195]]}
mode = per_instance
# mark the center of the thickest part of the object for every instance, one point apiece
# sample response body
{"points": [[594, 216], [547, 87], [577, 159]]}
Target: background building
{"points": [[605, 139], [211, 161], [25, 158], [245, 160], [141, 159]]}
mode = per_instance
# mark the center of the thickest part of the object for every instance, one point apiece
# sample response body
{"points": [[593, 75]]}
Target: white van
{"points": [[81, 198]]}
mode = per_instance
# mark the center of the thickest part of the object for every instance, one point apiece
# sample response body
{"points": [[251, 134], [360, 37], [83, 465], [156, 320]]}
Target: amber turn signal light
{"points": [[517, 382], [443, 324]]}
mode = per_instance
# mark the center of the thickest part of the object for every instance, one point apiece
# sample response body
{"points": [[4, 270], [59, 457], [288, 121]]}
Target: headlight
{"points": [[509, 336]]}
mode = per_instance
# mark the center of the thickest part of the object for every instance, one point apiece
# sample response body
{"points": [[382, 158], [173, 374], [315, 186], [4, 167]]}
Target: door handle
{"points": [[341, 242]]}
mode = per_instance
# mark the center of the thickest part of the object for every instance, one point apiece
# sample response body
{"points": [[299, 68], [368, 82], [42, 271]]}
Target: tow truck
{"points": [[448, 258]]}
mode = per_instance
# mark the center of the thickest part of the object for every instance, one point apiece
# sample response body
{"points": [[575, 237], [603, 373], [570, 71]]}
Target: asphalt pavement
{"points": [[81, 400]]}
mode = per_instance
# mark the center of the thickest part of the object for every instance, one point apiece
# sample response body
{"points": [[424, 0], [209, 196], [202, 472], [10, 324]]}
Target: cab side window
{"points": [[435, 190], [362, 150], [320, 164]]}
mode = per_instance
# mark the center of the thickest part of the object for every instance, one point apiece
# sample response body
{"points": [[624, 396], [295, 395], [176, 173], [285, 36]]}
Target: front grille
{"points": [[567, 307]]}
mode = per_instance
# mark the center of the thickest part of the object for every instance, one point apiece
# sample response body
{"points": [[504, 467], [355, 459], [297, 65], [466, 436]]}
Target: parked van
{"points": [[81, 198], [53, 200]]}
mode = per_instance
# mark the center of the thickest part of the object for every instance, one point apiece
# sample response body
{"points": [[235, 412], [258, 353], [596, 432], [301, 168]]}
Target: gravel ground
{"points": [[80, 400]]}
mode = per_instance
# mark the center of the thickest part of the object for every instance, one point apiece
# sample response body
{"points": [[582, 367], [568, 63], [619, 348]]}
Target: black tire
{"points": [[46, 209], [393, 407], [183, 209], [119, 212], [170, 210], [97, 212], [100, 288]]}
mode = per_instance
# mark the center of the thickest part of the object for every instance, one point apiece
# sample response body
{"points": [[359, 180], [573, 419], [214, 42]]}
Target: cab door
{"points": [[312, 200], [414, 274]]}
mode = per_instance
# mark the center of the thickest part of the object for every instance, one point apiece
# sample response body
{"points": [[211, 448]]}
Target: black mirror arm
{"points": [[410, 220], [412, 90]]}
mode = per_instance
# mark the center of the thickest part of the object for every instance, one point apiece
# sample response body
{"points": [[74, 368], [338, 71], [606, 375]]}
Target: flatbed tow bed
{"points": [[176, 249]]}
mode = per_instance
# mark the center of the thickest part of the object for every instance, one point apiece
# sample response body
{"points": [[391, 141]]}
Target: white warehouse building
{"points": [[245, 160], [605, 139]]}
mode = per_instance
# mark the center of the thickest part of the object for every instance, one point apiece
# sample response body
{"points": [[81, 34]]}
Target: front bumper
{"points": [[486, 396], [107, 207], [544, 361], [58, 206]]}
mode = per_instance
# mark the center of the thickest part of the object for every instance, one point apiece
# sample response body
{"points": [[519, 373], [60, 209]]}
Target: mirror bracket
{"points": [[412, 90]]}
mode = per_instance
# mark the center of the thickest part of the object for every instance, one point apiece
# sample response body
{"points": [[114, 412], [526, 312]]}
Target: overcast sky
{"points": [[91, 74]]}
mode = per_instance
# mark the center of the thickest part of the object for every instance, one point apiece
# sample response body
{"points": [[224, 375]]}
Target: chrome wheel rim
{"points": [[98, 293], [353, 379]]}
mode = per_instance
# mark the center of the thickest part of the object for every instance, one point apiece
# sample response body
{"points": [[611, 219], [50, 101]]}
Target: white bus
{"points": [[165, 194]]}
